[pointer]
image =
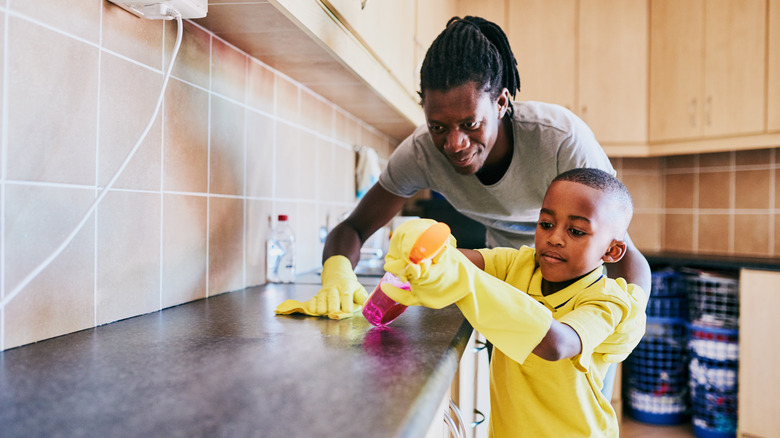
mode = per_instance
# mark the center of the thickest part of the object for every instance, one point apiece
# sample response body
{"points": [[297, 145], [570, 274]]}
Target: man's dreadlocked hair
{"points": [[470, 49]]}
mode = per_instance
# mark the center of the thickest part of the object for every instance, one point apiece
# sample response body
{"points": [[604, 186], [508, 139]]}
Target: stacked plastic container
{"points": [[657, 370], [713, 301]]}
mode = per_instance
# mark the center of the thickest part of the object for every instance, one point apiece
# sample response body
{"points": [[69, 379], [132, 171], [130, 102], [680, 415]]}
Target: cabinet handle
{"points": [[692, 112], [477, 423], [479, 346], [708, 110], [461, 423]]}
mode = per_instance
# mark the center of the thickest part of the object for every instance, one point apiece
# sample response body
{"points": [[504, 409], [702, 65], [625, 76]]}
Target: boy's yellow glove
{"points": [[630, 330], [341, 295], [513, 321]]}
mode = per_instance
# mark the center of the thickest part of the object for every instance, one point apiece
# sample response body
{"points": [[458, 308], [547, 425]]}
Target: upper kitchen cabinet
{"points": [[773, 93], [386, 29], [589, 56], [707, 68], [612, 79], [543, 35]]}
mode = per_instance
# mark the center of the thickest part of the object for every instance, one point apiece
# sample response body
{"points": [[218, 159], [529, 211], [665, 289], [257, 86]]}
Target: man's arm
{"points": [[633, 267], [375, 210]]}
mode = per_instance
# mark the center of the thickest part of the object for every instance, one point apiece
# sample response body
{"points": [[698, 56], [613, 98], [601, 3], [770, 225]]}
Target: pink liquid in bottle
{"points": [[379, 309]]}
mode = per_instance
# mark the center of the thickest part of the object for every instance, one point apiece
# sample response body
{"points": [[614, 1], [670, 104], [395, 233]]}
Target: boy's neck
{"points": [[550, 287]]}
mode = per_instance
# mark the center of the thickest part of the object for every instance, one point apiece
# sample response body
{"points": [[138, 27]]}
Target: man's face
{"points": [[575, 230], [463, 122]]}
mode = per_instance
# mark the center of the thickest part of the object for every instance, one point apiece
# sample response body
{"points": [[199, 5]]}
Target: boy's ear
{"points": [[615, 252]]}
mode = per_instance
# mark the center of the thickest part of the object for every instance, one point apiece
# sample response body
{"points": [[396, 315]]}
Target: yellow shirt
{"points": [[538, 398]]}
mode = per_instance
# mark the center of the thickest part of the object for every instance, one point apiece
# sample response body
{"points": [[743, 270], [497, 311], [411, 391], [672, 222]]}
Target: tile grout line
{"points": [[162, 178], [208, 165], [95, 222]]}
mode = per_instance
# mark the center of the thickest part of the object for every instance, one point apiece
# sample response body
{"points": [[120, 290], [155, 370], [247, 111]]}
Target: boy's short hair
{"points": [[604, 182]]}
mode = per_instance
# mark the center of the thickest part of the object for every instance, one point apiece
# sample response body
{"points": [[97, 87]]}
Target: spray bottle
{"points": [[379, 309]]}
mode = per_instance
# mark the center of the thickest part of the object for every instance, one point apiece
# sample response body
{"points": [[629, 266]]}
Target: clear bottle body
{"points": [[280, 253]]}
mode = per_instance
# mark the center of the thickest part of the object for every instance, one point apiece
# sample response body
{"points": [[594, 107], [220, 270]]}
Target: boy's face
{"points": [[576, 231]]}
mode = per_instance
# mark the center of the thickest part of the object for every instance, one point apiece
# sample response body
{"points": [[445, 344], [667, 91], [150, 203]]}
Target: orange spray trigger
{"points": [[430, 242]]}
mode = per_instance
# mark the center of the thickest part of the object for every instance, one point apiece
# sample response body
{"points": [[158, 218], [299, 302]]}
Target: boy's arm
{"points": [[560, 342]]}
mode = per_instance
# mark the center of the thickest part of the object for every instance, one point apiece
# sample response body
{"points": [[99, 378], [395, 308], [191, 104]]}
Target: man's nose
{"points": [[456, 141]]}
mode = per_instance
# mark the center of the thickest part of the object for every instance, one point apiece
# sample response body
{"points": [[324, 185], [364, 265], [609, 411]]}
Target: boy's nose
{"points": [[555, 238]]}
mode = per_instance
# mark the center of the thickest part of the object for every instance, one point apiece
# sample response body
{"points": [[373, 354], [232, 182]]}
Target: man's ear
{"points": [[615, 252], [503, 102]]}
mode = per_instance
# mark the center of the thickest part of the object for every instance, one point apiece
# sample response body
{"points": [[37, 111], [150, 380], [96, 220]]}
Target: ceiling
{"points": [[270, 34]]}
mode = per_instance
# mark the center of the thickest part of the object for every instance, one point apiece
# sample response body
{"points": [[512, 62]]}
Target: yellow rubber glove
{"points": [[509, 318], [631, 328], [341, 296]]}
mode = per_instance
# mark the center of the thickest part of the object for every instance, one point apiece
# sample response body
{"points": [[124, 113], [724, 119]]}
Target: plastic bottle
{"points": [[379, 309], [280, 252]]}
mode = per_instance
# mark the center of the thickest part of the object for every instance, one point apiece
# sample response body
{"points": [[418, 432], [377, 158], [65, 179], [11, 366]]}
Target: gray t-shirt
{"points": [[548, 140]]}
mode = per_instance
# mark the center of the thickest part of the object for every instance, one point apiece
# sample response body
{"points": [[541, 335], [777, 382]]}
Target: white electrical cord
{"points": [[169, 14]]}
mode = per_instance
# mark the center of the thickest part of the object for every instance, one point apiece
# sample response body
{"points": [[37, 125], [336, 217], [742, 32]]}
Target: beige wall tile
{"points": [[61, 298], [752, 189], [185, 139], [324, 116], [228, 70], [258, 214], [776, 245], [645, 231], [777, 190], [287, 99], [755, 157], [681, 162], [715, 189], [226, 245], [128, 255], [259, 155], [309, 103], [184, 249], [261, 85], [192, 61], [226, 150], [309, 167], [323, 150], [720, 159], [119, 133], [645, 190], [77, 17], [679, 190], [714, 232], [751, 234], [288, 177], [130, 36], [648, 164], [344, 174], [52, 123], [308, 250], [678, 232]]}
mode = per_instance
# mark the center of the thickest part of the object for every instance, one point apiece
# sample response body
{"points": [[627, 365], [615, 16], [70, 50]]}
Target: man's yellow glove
{"points": [[341, 296], [509, 318], [630, 330]]}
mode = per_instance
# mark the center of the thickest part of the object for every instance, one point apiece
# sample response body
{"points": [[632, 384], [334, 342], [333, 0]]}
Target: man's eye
{"points": [[435, 129], [472, 125]]}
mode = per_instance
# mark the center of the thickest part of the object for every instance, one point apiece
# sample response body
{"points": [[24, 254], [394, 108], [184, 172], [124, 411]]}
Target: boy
{"points": [[554, 301]]}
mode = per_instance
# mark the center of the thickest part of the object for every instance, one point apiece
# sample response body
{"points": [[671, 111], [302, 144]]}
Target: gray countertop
{"points": [[227, 366]]}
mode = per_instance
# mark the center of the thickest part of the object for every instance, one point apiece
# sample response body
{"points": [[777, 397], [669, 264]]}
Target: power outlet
{"points": [[150, 8]]}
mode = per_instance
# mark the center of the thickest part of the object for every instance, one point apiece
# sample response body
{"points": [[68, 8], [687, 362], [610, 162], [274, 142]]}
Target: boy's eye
{"points": [[545, 225], [575, 232]]}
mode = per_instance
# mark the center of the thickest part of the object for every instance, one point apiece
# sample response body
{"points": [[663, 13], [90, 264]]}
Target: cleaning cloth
{"points": [[341, 296]]}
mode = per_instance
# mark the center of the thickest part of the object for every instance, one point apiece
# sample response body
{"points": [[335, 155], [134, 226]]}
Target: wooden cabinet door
{"points": [[542, 34], [386, 29], [734, 69], [773, 93], [759, 354], [676, 68], [613, 62]]}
